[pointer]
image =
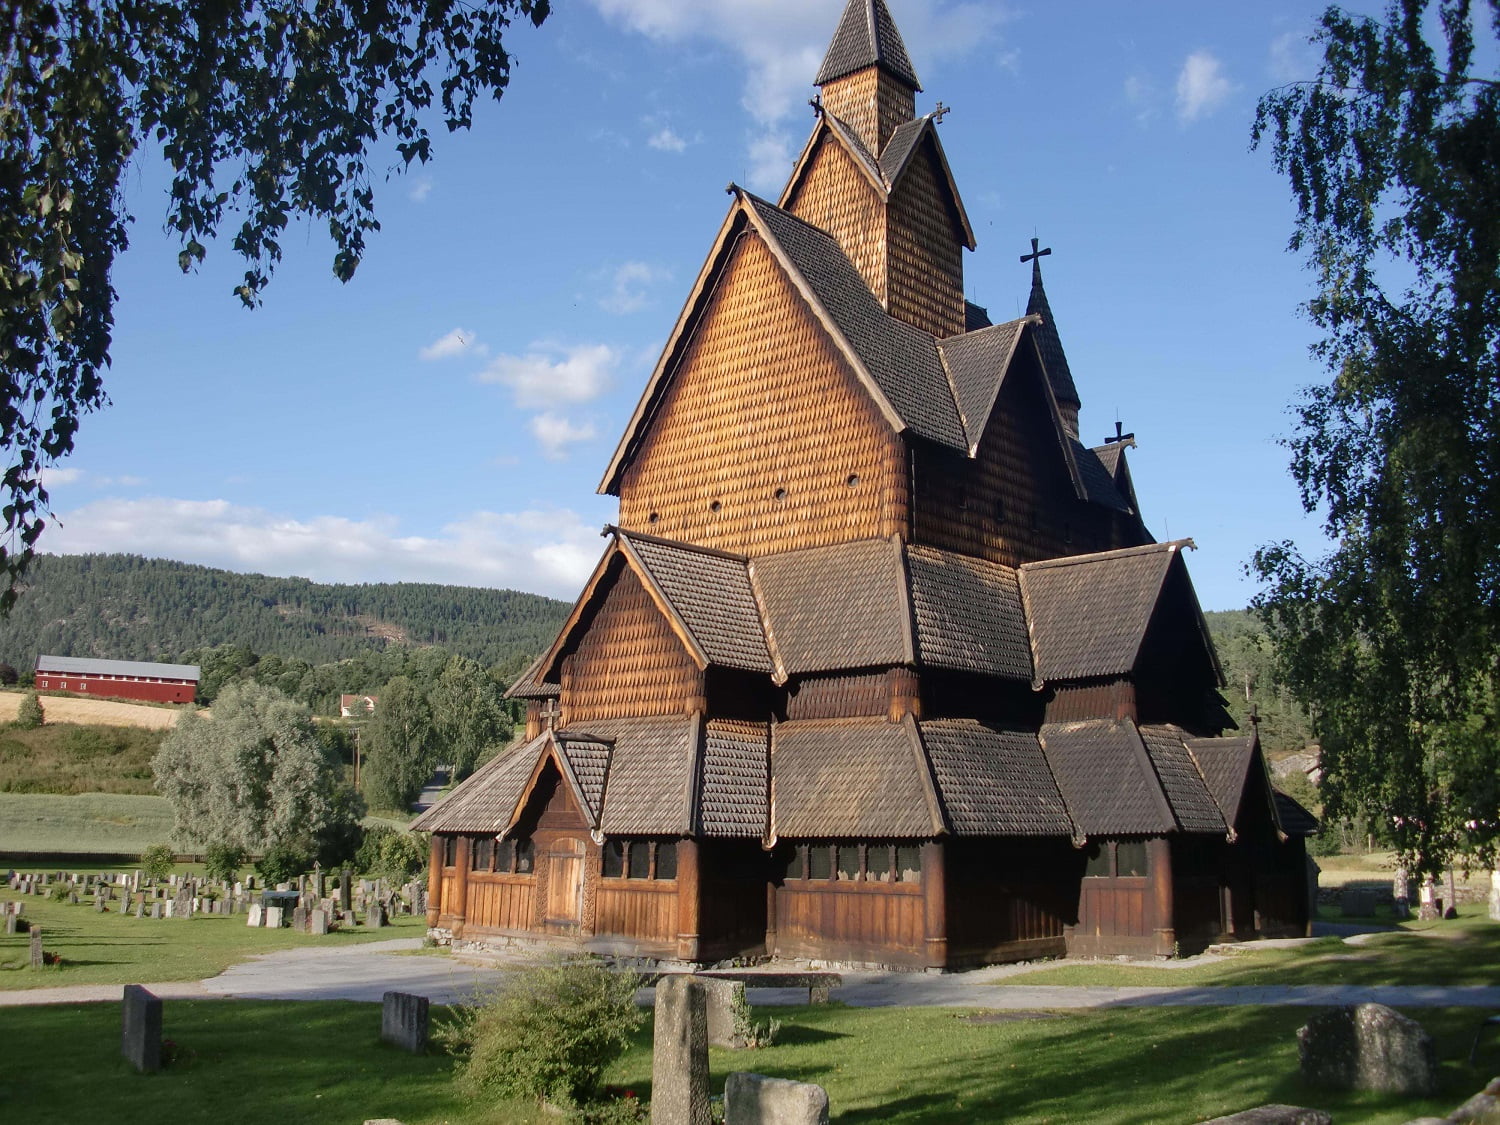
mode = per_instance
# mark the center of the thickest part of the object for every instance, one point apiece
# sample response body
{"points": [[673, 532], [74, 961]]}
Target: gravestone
{"points": [[1430, 906], [317, 880], [722, 998], [679, 1064], [38, 959], [375, 916], [140, 1029], [273, 917], [11, 922], [403, 1021], [156, 909], [98, 904], [317, 922], [140, 909], [754, 1099], [344, 890], [73, 898], [299, 919], [1367, 1047], [169, 907], [1356, 901], [256, 917]]}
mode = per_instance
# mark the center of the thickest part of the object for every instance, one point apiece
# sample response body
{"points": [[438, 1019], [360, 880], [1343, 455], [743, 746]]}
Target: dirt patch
{"points": [[68, 709]]}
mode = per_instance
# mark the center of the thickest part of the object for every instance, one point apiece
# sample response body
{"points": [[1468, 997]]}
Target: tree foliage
{"points": [[468, 715], [253, 775], [1393, 156], [29, 713], [399, 746], [265, 111]]}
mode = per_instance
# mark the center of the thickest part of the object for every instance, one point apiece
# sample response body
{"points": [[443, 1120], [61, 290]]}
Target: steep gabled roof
{"points": [[992, 781], [1087, 615], [1098, 482], [1184, 786], [856, 778], [1049, 341], [1106, 778], [977, 364], [968, 614], [896, 158], [866, 36], [1225, 765], [485, 800]]}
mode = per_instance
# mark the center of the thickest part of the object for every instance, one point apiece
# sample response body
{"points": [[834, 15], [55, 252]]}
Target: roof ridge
{"points": [[1169, 546], [696, 548]]}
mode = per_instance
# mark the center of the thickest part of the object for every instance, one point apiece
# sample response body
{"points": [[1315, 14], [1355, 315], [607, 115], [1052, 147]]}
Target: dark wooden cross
{"points": [[1118, 436], [550, 713], [940, 112], [1035, 255]]}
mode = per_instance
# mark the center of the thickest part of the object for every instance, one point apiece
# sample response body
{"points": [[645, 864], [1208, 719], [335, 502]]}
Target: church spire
{"points": [[867, 77], [1050, 342]]}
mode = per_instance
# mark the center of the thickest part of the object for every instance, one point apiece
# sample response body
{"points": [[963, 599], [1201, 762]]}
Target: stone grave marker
{"points": [[375, 916], [140, 909], [344, 904], [403, 1021], [754, 1099], [11, 922], [1495, 895], [679, 1063], [1367, 1047], [317, 921], [38, 959], [722, 997], [156, 908], [140, 1029], [273, 917], [256, 917], [299, 919]]}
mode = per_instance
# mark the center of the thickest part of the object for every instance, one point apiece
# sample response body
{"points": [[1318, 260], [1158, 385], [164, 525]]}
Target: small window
{"points": [[640, 859], [525, 856], [481, 854], [666, 860], [820, 862], [878, 862], [1130, 857], [505, 856], [848, 856], [1097, 864], [44, 683], [796, 868], [450, 851], [909, 863], [614, 859]]}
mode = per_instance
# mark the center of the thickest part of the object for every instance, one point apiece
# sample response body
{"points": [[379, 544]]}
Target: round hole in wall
{"points": [[853, 480], [653, 517], [715, 506], [780, 494]]}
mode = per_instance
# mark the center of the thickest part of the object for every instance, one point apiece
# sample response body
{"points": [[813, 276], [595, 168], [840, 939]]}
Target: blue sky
{"points": [[447, 415]]}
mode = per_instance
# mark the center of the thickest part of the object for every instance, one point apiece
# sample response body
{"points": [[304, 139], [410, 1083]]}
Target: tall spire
{"points": [[1058, 373], [867, 36]]}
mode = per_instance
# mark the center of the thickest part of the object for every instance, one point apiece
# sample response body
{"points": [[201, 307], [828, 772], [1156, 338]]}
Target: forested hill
{"points": [[1250, 669], [124, 607]]}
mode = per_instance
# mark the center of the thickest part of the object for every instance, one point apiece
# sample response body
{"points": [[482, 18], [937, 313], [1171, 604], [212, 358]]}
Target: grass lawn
{"points": [[113, 949], [1465, 951], [256, 1062]]}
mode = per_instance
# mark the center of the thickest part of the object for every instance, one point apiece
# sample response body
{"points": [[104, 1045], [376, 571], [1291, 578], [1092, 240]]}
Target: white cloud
{"points": [[1292, 57], [421, 188], [545, 551], [771, 160], [665, 140], [1201, 86], [459, 341], [51, 478], [549, 375], [554, 434], [627, 286]]}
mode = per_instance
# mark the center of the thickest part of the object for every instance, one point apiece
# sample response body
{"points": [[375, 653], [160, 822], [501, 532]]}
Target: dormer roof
{"points": [[866, 36]]}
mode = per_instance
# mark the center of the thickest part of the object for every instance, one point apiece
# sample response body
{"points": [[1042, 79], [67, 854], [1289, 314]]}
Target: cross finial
{"points": [[1035, 258], [816, 101], [1119, 436], [940, 112]]}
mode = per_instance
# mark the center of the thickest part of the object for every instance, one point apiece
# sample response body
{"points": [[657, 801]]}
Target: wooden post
{"points": [[461, 884], [689, 941], [934, 905], [1159, 852], [435, 881], [770, 917]]}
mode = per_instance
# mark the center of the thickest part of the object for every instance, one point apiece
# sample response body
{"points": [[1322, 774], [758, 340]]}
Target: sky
{"points": [[446, 416]]}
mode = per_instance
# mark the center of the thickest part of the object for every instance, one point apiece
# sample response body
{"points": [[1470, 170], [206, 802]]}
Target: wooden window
{"points": [[878, 863], [820, 862], [614, 860], [1130, 857], [525, 857], [505, 856], [482, 854], [796, 867], [666, 860], [909, 862], [848, 862], [639, 860], [450, 851], [1098, 865]]}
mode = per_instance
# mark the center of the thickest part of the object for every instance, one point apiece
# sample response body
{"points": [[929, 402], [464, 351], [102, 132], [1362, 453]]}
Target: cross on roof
{"points": [[1118, 436], [1035, 253], [940, 112]]}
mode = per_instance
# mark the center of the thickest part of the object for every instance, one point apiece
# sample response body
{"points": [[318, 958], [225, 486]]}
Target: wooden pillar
{"points": [[461, 884], [935, 905], [1159, 852], [435, 881], [689, 941], [770, 917]]}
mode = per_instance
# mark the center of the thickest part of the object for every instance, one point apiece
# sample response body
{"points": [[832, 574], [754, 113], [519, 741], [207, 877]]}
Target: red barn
{"points": [[123, 679]]}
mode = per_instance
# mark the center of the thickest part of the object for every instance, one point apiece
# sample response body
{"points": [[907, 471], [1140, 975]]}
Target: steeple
{"points": [[867, 77], [1050, 342]]}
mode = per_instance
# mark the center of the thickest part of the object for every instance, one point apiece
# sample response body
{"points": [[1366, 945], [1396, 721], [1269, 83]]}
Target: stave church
{"points": [[880, 665]]}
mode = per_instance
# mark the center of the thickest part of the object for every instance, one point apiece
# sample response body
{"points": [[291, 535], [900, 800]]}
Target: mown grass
{"points": [[98, 823], [73, 758], [258, 1062], [111, 948], [1457, 952]]}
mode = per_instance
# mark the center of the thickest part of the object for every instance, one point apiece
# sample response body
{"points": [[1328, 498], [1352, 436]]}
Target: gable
{"points": [[837, 188], [763, 439]]}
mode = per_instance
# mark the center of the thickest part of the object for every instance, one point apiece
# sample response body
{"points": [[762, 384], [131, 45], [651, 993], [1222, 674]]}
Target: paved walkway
{"points": [[365, 972]]}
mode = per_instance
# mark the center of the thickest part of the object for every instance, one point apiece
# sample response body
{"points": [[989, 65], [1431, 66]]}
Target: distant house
{"points": [[357, 706], [123, 679]]}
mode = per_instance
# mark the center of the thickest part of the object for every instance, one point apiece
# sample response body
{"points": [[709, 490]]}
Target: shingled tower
{"points": [[881, 664]]}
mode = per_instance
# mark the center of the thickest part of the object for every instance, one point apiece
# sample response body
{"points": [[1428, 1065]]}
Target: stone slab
{"points": [[754, 1099], [403, 1021], [140, 1028], [679, 1064]]}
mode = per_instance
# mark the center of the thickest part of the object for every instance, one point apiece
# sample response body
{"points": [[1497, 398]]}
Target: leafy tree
{"points": [[8, 675], [254, 775], [223, 861], [282, 863], [468, 714], [158, 860], [1393, 155], [399, 744], [392, 855], [29, 713], [265, 111]]}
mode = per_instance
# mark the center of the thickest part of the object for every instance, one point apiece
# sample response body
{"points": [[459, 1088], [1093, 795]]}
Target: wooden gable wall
{"points": [[1014, 502], [628, 662], [836, 196], [872, 103], [924, 249], [764, 441]]}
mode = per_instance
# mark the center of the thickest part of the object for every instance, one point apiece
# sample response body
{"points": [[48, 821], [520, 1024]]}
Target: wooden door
{"points": [[565, 883]]}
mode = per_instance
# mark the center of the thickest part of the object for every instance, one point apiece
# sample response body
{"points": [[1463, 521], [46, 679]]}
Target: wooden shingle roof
{"points": [[1225, 765], [1187, 793], [977, 363], [485, 801], [866, 36], [1049, 341], [1106, 778], [530, 685], [851, 778], [968, 614], [736, 781], [993, 782], [1292, 817], [652, 778]]}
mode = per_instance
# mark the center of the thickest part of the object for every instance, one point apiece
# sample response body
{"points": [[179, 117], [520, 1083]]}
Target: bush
{"points": [[60, 891], [223, 861], [8, 675], [282, 863], [549, 1033], [158, 860], [29, 713], [390, 854]]}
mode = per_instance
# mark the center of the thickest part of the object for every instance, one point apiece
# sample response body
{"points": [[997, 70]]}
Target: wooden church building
{"points": [[880, 665]]}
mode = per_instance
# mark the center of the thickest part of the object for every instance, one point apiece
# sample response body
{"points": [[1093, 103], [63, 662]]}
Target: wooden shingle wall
{"points": [[925, 284], [629, 662], [835, 195], [764, 442], [872, 103]]}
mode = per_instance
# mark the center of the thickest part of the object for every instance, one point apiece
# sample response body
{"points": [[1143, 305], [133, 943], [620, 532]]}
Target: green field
{"points": [[99, 823], [74, 758]]}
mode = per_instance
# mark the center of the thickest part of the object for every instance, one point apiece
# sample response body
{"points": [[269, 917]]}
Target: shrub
{"points": [[157, 860], [29, 713], [282, 863], [549, 1033], [8, 675], [390, 854], [223, 861], [60, 891]]}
